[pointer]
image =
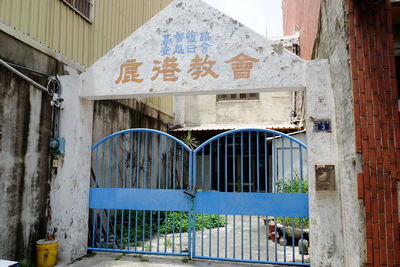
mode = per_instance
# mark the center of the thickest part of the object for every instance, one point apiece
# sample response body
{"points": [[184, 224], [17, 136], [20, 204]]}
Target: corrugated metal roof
{"points": [[223, 127]]}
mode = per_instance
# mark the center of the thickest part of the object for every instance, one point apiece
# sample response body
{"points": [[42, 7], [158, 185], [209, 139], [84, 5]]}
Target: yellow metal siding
{"points": [[60, 28]]}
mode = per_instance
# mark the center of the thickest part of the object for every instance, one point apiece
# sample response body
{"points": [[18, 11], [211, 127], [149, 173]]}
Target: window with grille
{"points": [[228, 97], [82, 7]]}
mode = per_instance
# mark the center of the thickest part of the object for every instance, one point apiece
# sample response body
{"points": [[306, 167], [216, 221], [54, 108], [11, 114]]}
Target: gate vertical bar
{"points": [[242, 188], [283, 191], [266, 191], [250, 189], [192, 188], [218, 177], [116, 186], [233, 190], [130, 184], [144, 185], [138, 145], [109, 185], [258, 191], [151, 187], [123, 186], [275, 163], [102, 185], [202, 215], [210, 189], [166, 187], [95, 210], [194, 184], [159, 187], [292, 189], [226, 190]]}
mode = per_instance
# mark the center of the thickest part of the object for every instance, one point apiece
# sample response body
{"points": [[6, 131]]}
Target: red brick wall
{"points": [[377, 126]]}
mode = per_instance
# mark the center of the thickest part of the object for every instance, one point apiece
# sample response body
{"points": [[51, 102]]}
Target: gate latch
{"points": [[189, 193]]}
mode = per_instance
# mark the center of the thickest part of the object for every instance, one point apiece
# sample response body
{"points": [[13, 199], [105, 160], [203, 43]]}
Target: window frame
{"points": [[89, 19], [229, 97]]}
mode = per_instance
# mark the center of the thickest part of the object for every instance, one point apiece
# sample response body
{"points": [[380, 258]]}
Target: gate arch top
{"points": [[142, 130], [192, 48], [266, 131]]}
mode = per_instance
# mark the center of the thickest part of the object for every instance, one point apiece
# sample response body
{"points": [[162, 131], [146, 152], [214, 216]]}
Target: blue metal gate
{"points": [[137, 197], [240, 196]]}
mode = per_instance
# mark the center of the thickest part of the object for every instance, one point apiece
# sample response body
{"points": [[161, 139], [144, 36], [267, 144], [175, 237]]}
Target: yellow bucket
{"points": [[46, 253]]}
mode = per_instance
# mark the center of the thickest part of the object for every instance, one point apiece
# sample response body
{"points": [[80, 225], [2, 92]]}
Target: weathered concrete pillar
{"points": [[326, 237], [69, 193]]}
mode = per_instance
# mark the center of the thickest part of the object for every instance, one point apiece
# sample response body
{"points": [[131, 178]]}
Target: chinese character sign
{"points": [[202, 67], [129, 72], [242, 65], [168, 69], [189, 42]]}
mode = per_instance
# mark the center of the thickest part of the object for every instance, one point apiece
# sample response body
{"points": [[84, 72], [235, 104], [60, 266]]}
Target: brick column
{"points": [[377, 127]]}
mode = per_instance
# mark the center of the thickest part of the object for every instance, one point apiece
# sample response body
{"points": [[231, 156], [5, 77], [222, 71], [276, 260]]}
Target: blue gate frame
{"points": [[238, 177]]}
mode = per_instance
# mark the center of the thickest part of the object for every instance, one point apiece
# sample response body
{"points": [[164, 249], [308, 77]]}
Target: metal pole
{"points": [[26, 78]]}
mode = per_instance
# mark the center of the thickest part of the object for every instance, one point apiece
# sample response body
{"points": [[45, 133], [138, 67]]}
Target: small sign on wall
{"points": [[325, 177], [322, 125]]}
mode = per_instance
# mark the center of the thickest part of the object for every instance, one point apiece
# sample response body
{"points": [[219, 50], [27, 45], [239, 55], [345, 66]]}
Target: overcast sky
{"points": [[256, 14]]}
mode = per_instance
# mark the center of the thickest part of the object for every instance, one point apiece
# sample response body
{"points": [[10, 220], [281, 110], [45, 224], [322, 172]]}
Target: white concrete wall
{"points": [[69, 193], [270, 109], [326, 229]]}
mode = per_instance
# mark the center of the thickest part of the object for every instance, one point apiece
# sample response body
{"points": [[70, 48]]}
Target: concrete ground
{"points": [[232, 241], [105, 259]]}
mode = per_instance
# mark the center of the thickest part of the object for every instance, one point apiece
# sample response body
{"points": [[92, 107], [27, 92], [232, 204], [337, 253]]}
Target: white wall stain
{"points": [[30, 211], [69, 195]]}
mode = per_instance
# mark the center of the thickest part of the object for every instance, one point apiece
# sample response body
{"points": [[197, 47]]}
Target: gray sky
{"points": [[255, 14]]}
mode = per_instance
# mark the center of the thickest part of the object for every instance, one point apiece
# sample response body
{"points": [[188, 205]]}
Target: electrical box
{"points": [[57, 146]]}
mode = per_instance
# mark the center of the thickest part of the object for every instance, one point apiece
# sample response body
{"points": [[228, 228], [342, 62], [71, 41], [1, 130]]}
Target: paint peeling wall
{"points": [[25, 123]]}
